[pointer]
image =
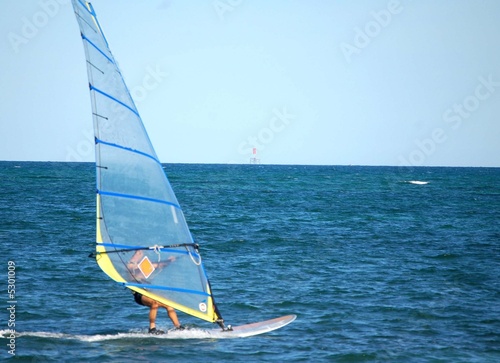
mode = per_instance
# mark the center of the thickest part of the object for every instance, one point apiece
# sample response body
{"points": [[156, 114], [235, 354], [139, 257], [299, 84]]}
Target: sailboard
{"points": [[142, 238], [248, 330]]}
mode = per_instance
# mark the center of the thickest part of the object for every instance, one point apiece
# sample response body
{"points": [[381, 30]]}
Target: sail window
{"points": [[174, 214], [146, 267]]}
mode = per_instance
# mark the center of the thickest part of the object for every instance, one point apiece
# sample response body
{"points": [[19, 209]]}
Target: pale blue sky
{"points": [[307, 82]]}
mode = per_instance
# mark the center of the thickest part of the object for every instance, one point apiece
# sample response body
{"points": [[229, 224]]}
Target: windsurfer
{"points": [[141, 268], [153, 309]]}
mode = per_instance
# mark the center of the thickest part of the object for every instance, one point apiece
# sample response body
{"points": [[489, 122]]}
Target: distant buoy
{"points": [[254, 159]]}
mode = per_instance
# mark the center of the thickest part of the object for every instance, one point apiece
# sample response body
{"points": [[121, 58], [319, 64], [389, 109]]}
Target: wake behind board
{"points": [[252, 329]]}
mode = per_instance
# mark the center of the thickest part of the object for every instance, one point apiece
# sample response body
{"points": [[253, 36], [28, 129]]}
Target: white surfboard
{"points": [[240, 331]]}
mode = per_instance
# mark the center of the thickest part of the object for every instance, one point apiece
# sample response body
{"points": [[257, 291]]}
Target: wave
{"points": [[192, 333], [417, 182]]}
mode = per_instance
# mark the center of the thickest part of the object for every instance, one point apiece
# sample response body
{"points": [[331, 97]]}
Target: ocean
{"points": [[380, 264]]}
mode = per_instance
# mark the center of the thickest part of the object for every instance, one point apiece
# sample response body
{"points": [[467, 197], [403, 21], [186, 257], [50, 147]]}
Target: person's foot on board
{"points": [[155, 331]]}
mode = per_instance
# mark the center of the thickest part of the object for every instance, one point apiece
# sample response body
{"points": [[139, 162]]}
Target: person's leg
{"points": [[153, 310], [154, 305], [172, 315], [152, 316]]}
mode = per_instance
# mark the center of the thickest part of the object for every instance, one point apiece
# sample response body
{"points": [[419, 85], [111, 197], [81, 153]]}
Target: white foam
{"points": [[173, 334], [418, 182]]}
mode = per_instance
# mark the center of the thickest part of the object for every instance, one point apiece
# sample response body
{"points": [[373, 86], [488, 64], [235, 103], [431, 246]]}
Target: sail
{"points": [[143, 240]]}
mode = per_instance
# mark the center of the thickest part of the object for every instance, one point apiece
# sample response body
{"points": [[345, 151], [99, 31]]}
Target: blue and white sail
{"points": [[143, 241]]}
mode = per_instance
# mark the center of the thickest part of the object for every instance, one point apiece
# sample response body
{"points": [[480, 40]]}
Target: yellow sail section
{"points": [[102, 257]]}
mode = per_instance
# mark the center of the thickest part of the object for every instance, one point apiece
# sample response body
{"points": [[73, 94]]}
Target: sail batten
{"points": [[92, 88], [176, 289], [97, 48], [98, 141], [143, 241], [121, 195]]}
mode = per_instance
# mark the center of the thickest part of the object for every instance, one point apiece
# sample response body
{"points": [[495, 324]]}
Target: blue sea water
{"points": [[378, 269]]}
